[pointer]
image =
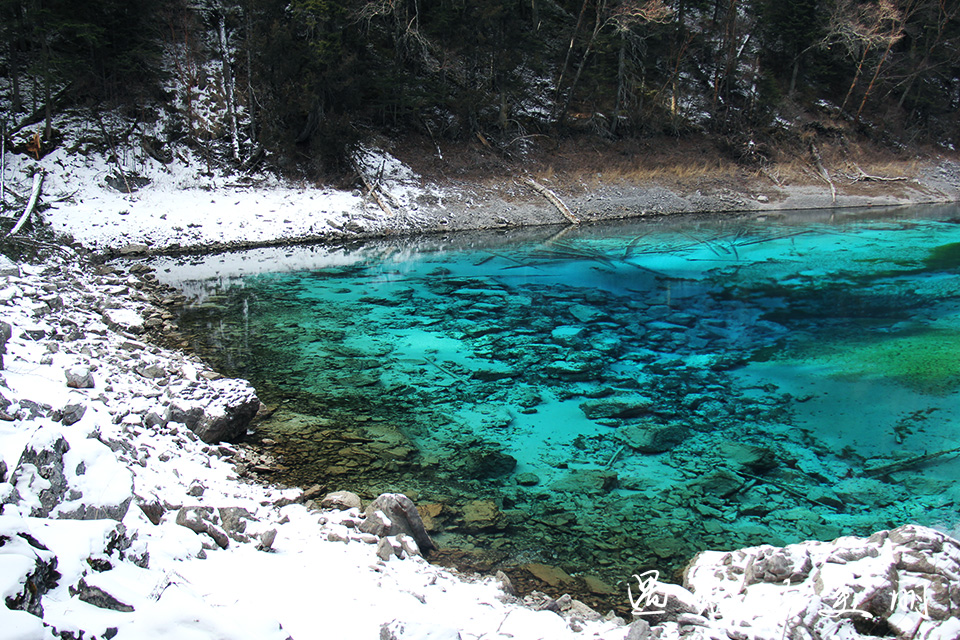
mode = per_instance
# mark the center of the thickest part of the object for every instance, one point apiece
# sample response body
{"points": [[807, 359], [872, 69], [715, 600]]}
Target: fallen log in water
{"points": [[907, 463]]}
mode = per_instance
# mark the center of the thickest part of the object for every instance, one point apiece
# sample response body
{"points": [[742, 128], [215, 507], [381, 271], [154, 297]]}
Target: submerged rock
{"points": [[481, 514], [586, 482], [486, 461], [749, 457], [720, 483], [551, 575], [631, 407], [653, 438]]}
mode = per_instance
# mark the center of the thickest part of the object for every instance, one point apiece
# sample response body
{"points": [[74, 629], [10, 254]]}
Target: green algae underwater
{"points": [[613, 398]]}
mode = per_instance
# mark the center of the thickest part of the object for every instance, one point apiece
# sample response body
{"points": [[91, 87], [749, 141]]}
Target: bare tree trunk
{"points": [[566, 59], [793, 76], [893, 37], [682, 40], [251, 99], [228, 88], [3, 163], [16, 102], [873, 80], [621, 84], [856, 77], [598, 24], [47, 96]]}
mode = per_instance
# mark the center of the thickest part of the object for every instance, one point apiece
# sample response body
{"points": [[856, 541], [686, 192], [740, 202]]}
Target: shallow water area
{"points": [[614, 398]]}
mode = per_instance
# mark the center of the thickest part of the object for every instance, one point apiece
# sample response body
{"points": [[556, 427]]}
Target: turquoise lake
{"points": [[610, 398]]}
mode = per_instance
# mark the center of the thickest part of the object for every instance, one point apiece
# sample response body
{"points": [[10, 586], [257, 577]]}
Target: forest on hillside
{"points": [[308, 80]]}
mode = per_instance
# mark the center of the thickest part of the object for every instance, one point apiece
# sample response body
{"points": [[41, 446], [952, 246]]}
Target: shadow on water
{"points": [[575, 406]]}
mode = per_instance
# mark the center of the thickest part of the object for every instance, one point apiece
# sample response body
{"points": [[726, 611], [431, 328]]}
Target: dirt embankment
{"points": [[595, 179]]}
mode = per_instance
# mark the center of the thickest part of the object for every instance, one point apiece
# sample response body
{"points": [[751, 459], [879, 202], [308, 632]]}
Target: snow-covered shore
{"points": [[155, 533], [189, 205]]}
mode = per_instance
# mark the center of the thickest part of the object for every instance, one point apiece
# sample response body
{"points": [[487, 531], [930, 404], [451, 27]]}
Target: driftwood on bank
{"points": [[863, 176], [553, 198], [818, 161], [373, 190], [31, 204], [113, 153]]}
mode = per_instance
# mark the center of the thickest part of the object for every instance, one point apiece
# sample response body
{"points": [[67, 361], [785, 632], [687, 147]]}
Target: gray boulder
{"points": [[50, 489], [98, 597], [201, 520], [40, 472], [79, 377], [394, 513], [398, 630], [37, 575], [216, 410], [6, 331], [340, 500]]}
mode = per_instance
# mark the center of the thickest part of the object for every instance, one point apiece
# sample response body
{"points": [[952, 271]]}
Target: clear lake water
{"points": [[612, 398]]}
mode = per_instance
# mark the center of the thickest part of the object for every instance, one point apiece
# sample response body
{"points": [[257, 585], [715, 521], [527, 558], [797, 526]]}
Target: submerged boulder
{"points": [[629, 407], [586, 482], [486, 461], [653, 438]]}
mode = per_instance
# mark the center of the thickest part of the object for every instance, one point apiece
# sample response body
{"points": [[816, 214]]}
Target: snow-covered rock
{"points": [[896, 583], [215, 411], [83, 482], [27, 568]]}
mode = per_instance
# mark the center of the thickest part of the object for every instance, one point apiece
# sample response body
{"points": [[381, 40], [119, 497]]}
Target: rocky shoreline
{"points": [[108, 438]]}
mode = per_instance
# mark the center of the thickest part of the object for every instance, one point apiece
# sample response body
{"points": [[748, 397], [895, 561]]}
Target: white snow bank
{"points": [[188, 203]]}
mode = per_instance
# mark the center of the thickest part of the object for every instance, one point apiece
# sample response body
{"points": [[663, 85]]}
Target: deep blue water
{"points": [[615, 397]]}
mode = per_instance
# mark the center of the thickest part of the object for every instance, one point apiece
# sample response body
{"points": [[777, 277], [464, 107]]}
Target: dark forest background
{"points": [[308, 80]]}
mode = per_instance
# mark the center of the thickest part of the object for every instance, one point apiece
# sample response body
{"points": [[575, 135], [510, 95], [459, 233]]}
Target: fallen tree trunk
{"points": [[908, 463], [372, 191], [785, 487], [818, 161], [34, 196], [553, 198], [866, 177]]}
